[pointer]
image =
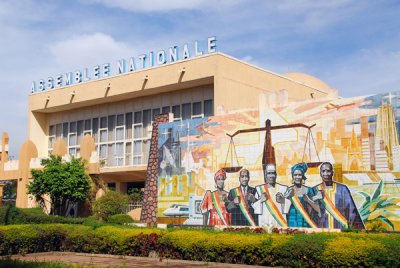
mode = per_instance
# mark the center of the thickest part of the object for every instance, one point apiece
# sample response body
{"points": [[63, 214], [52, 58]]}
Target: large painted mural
{"points": [[328, 163]]}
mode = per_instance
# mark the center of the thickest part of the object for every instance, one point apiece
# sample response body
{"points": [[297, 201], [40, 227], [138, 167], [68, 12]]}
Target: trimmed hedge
{"points": [[120, 219], [13, 215], [294, 250]]}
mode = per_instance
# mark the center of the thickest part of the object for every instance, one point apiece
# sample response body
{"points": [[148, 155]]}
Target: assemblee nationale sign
{"points": [[123, 66]]}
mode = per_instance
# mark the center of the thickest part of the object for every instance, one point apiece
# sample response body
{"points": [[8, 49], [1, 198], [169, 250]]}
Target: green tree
{"points": [[64, 182]]}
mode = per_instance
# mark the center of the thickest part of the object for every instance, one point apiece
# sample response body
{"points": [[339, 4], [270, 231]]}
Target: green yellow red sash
{"points": [[217, 206], [273, 209], [330, 207], [243, 206], [297, 204]]}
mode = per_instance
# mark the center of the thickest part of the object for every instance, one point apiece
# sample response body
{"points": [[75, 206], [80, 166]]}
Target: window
{"points": [[186, 111], [80, 131], [155, 112], [196, 110], [51, 137], [146, 123], [165, 109], [128, 153], [119, 154], [59, 131], [111, 186], [95, 129], [87, 129], [128, 125], [176, 110], [111, 127], [72, 139], [138, 126], [208, 108]]}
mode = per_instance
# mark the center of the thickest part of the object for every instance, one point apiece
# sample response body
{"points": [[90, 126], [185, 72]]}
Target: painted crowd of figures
{"points": [[326, 205]]}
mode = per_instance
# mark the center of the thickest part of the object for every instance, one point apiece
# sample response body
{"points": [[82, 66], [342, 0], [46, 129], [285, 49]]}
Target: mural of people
{"points": [[240, 200], [302, 209], [271, 206], [338, 209], [213, 205]]}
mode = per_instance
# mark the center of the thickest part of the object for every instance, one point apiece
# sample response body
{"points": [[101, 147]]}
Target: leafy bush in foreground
{"points": [[293, 250]]}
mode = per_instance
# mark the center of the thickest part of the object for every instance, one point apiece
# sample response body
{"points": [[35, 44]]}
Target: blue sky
{"points": [[354, 46]]}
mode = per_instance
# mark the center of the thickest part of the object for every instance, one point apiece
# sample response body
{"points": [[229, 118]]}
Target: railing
{"points": [[133, 205]]}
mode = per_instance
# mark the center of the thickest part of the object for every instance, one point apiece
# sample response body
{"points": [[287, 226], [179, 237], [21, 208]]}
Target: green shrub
{"points": [[110, 203], [120, 219], [93, 221], [289, 250], [12, 215]]}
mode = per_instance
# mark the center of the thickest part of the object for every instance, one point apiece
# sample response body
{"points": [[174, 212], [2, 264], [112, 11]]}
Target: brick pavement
{"points": [[104, 260]]}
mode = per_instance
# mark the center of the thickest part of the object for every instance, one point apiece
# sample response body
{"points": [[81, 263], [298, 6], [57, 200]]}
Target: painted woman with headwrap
{"points": [[213, 205], [302, 209]]}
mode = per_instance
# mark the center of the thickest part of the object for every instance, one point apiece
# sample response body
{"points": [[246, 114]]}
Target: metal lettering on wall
{"points": [[132, 64]]}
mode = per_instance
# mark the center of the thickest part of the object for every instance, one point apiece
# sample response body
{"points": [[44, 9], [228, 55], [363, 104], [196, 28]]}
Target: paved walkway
{"points": [[118, 261]]}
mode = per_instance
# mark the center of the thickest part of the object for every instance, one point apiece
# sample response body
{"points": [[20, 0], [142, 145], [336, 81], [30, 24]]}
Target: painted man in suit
{"points": [[240, 200]]}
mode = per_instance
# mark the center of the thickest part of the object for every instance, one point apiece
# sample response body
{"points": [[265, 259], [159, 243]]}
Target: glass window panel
{"points": [[58, 130], [137, 148], [119, 133], [80, 130], [119, 149], [137, 160], [196, 108], [111, 127], [155, 112], [208, 108], [146, 118], [103, 122], [165, 109], [72, 140], [176, 110], [138, 117], [72, 127], [72, 151], [128, 125], [138, 131], [186, 111], [95, 129], [128, 154], [120, 120], [103, 151], [51, 142], [65, 130], [52, 130], [111, 148], [146, 149], [103, 135], [88, 125]]}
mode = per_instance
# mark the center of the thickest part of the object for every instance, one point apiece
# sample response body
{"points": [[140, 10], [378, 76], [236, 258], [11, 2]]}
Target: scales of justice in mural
{"points": [[268, 189]]}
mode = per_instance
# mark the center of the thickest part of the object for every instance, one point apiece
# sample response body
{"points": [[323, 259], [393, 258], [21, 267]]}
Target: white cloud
{"points": [[89, 49], [366, 72]]}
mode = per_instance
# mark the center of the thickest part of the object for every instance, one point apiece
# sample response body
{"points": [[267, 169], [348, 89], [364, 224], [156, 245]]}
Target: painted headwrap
{"points": [[300, 166], [220, 172]]}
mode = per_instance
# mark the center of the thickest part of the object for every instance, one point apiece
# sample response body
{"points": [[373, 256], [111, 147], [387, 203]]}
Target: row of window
{"points": [[123, 139]]}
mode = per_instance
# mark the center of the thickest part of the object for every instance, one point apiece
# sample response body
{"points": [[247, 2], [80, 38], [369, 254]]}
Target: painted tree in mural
{"points": [[63, 182], [376, 207]]}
